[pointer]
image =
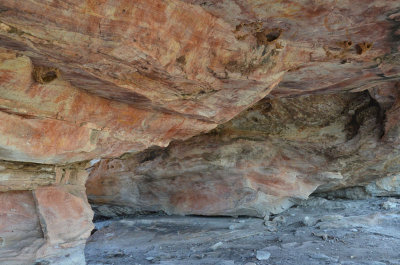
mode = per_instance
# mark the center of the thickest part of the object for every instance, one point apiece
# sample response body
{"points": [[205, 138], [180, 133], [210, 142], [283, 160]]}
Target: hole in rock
{"points": [[363, 47], [44, 74], [49, 76], [268, 35], [273, 35], [181, 59]]}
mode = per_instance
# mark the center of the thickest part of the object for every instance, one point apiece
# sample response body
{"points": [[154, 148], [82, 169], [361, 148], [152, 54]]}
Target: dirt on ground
{"points": [[318, 231]]}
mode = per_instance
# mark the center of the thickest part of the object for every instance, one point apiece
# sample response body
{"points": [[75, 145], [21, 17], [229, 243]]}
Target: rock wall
{"points": [[44, 213], [119, 80], [328, 45], [153, 55], [55, 123], [150, 54], [275, 152]]}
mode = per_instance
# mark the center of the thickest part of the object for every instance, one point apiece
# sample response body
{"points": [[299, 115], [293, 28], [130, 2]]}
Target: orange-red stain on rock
{"points": [[67, 217], [200, 199], [68, 124], [6, 76], [283, 184]]}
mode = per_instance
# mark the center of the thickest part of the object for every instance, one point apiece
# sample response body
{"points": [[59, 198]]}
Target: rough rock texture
{"points": [[151, 54], [20, 230], [55, 122], [327, 45], [275, 151], [91, 79], [47, 223], [381, 187], [344, 232], [154, 54]]}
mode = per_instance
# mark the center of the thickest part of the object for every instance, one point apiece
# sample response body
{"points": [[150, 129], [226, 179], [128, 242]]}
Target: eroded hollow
{"points": [[268, 36], [246, 183], [44, 74], [273, 35], [363, 47]]}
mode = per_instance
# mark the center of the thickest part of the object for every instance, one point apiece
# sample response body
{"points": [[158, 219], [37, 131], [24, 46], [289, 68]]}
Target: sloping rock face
{"points": [[151, 54], [55, 122], [327, 45], [276, 151], [155, 74], [94, 79], [154, 55]]}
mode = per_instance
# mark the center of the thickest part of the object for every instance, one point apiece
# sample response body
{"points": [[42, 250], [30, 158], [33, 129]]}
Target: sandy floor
{"points": [[318, 232]]}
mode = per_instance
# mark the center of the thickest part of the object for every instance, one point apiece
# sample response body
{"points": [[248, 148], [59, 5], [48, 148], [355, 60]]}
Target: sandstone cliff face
{"points": [[276, 151], [55, 122], [163, 75], [154, 55], [88, 80], [151, 54], [328, 45], [42, 222]]}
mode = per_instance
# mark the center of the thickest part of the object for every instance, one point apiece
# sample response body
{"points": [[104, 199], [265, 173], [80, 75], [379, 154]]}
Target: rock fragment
{"points": [[309, 221], [216, 246], [263, 255], [389, 205]]}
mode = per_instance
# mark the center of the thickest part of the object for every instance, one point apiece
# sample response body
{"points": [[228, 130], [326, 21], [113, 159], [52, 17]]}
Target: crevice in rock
{"points": [[152, 153], [359, 116], [42, 221], [22, 115]]}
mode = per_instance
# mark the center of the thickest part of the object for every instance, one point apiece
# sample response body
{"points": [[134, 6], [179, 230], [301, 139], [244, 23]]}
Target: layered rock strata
{"points": [[259, 162], [83, 80], [55, 123], [44, 213], [154, 55]]}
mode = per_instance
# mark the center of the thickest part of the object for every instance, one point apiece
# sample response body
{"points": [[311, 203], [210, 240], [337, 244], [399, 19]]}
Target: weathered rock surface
{"points": [[20, 230], [83, 80], [154, 54], [57, 123], [276, 151], [327, 45], [367, 234], [151, 54], [381, 187], [47, 223]]}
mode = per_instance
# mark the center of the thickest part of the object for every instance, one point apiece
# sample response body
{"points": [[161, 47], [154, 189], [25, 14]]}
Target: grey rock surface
{"points": [[357, 232]]}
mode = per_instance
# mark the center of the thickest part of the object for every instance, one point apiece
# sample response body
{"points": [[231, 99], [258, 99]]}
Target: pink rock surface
{"points": [[58, 123], [48, 224], [151, 54], [178, 76], [328, 45], [91, 79], [66, 217], [262, 161], [20, 233]]}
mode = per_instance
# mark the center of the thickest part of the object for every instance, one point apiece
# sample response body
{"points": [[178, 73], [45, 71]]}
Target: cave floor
{"points": [[319, 231]]}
